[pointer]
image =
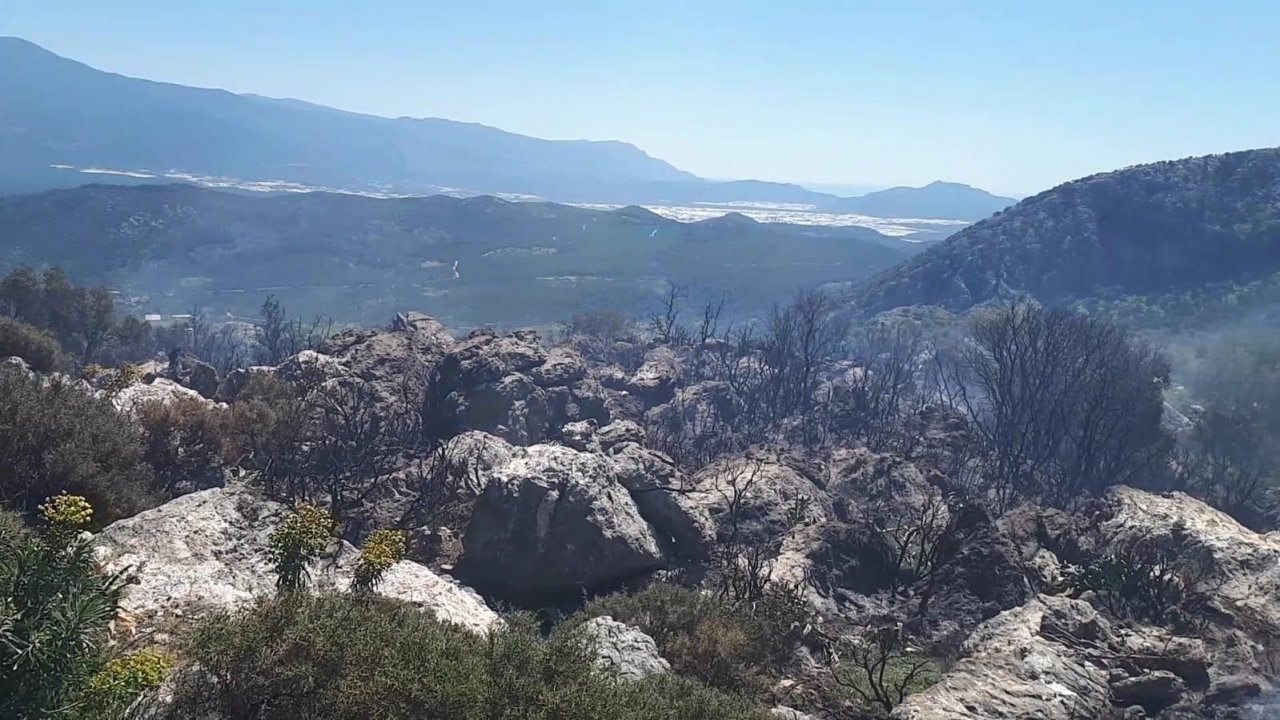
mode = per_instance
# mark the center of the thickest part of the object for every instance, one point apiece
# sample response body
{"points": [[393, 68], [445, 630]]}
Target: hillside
{"points": [[471, 261], [1161, 231], [952, 201]]}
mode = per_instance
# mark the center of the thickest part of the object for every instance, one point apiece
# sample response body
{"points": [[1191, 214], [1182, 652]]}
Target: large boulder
{"points": [[311, 368], [208, 550], [554, 522], [1235, 571], [191, 372], [563, 366], [398, 360], [681, 522], [624, 651], [482, 384], [657, 379], [487, 357]]}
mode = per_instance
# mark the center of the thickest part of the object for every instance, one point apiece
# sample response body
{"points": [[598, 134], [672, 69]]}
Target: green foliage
{"points": [[121, 682], [349, 657], [55, 437], [728, 646], [81, 320], [381, 550], [54, 612], [304, 534], [35, 346]]}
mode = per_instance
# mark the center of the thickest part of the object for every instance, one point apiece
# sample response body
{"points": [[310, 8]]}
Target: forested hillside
{"points": [[1157, 231], [472, 261]]}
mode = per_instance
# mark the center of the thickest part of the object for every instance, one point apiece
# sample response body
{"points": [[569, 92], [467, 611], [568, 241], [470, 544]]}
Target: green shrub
{"points": [[297, 542], [381, 550], [347, 657], [119, 684], [732, 647], [35, 346], [56, 437], [54, 611]]}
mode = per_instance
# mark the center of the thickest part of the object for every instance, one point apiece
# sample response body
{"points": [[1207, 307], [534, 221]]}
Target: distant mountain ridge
{"points": [[1168, 230], [56, 111], [470, 261], [937, 200]]}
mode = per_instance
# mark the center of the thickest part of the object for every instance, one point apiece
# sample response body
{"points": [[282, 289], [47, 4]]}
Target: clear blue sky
{"points": [[1011, 96]]}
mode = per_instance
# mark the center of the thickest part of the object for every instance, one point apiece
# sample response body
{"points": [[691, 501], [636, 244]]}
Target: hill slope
{"points": [[469, 261], [952, 201], [1151, 230], [58, 111]]}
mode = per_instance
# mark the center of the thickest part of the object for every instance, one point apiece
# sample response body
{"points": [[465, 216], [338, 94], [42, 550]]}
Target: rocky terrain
{"points": [[571, 477]]}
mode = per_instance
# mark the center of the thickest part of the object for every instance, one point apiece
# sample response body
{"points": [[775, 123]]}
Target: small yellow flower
{"points": [[67, 512], [382, 549]]}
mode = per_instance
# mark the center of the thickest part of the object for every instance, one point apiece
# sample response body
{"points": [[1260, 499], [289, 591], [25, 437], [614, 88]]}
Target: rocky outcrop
{"points": [[624, 651], [190, 372], [769, 495], [657, 379], [480, 384], [619, 432], [1028, 662], [554, 521], [1057, 657], [160, 390], [397, 361], [563, 366], [311, 368], [208, 550]]}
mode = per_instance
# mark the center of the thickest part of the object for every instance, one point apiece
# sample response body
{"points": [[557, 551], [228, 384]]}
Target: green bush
{"points": [[56, 437], [118, 685], [732, 647], [35, 346], [343, 657], [296, 544], [54, 611]]}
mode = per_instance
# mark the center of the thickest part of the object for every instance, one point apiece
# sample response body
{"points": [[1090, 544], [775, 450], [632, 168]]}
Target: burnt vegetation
{"points": [[864, 467]]}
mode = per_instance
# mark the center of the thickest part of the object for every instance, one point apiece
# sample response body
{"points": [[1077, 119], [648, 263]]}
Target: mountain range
{"points": [[60, 116], [1170, 238], [469, 261]]}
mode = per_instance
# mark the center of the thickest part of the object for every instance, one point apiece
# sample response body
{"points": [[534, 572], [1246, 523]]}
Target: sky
{"points": [[1014, 97]]}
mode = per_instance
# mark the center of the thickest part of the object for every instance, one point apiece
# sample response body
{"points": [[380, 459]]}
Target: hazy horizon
{"points": [[1013, 101]]}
